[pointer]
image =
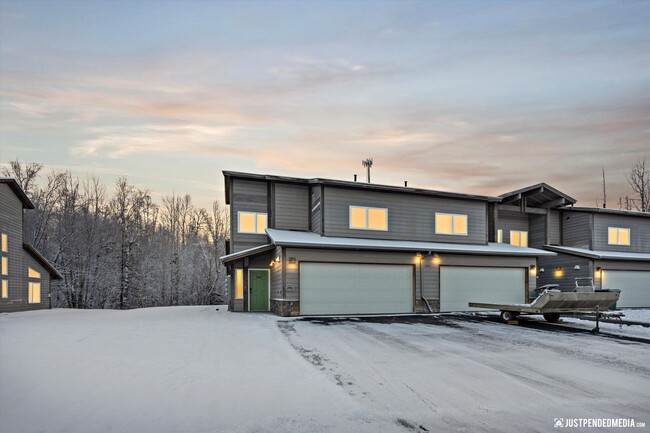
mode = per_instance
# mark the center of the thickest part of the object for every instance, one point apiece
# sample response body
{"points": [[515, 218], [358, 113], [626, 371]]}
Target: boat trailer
{"points": [[551, 304]]}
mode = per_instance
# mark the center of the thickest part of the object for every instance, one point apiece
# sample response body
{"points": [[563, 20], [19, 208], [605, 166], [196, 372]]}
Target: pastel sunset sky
{"points": [[480, 97]]}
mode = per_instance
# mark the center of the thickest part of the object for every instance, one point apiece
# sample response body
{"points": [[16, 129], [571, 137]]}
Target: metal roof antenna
{"points": [[367, 163]]}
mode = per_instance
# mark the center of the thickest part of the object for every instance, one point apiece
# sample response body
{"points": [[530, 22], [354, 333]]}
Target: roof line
{"points": [[246, 253], [17, 189], [606, 211], [54, 274], [351, 184]]}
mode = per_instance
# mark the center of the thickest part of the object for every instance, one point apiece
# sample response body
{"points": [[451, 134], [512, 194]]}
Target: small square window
{"points": [[518, 238], [450, 224], [618, 236], [252, 222]]}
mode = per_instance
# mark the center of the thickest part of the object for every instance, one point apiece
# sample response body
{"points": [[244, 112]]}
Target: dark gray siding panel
{"points": [[11, 223], [291, 207], [276, 275], [537, 232], [576, 231], [316, 210], [509, 220], [566, 277], [248, 196], [639, 232], [409, 217], [554, 234]]}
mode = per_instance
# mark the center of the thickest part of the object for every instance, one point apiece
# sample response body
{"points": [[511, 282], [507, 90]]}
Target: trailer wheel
{"points": [[507, 316], [552, 317]]}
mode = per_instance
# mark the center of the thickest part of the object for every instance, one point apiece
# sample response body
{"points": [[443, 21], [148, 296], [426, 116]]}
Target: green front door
{"points": [[259, 284]]}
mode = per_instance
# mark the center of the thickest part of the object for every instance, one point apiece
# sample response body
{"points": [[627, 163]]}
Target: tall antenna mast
{"points": [[604, 190], [367, 163]]}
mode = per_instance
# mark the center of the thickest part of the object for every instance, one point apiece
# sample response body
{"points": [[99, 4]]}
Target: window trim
{"points": [[255, 214], [618, 229], [366, 208], [519, 231], [435, 226]]}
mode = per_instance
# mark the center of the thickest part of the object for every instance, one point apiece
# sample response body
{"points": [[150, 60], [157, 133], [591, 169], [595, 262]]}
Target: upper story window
{"points": [[500, 236], [618, 236], [4, 247], [451, 224], [31, 273], [252, 222], [4, 267], [368, 218], [518, 238]]}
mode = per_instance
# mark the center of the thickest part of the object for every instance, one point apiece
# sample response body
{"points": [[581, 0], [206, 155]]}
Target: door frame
{"points": [[268, 286]]}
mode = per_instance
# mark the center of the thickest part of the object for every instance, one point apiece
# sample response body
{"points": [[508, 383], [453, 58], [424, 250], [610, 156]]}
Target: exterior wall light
{"points": [[533, 270], [436, 259]]}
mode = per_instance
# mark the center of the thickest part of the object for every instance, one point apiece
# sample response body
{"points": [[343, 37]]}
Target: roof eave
{"points": [[54, 274]]}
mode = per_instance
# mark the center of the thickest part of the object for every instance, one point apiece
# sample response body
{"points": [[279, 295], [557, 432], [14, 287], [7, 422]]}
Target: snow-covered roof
{"points": [[289, 238], [246, 253], [599, 255]]}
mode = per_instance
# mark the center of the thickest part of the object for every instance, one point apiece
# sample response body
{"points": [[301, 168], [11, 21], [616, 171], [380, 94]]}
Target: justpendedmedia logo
{"points": [[597, 423]]}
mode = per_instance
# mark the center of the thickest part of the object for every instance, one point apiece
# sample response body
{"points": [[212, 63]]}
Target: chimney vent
{"points": [[355, 177], [406, 183]]}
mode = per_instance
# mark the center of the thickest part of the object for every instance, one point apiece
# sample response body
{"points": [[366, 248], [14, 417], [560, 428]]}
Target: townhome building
{"points": [[320, 246], [25, 275]]}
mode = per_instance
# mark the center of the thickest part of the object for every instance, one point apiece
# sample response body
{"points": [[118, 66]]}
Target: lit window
{"points": [[500, 236], [618, 236], [239, 283], [5, 267], [5, 288], [518, 238], [451, 224], [252, 222], [4, 248], [368, 218], [34, 293], [31, 273]]}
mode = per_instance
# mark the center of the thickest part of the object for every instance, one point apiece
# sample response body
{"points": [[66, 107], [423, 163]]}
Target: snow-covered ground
{"points": [[194, 369]]}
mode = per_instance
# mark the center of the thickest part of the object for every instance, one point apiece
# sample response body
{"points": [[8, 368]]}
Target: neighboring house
{"points": [[319, 246], [611, 246], [24, 274]]}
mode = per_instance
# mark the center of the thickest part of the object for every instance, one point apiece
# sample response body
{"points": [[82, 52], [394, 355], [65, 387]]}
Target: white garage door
{"points": [[335, 288], [634, 285], [460, 285]]}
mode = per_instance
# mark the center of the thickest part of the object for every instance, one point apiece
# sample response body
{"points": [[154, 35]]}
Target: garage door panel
{"points": [[337, 288], [634, 286], [460, 285]]}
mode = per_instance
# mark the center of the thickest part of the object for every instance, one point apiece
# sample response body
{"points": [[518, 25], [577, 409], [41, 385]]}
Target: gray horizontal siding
{"points": [[316, 210], [639, 233], [554, 232], [250, 196], [576, 230], [567, 262], [409, 217], [291, 207], [509, 220], [11, 223], [537, 231]]}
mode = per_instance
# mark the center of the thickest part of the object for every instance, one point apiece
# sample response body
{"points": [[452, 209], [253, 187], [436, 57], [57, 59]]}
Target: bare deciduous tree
{"points": [[639, 180]]}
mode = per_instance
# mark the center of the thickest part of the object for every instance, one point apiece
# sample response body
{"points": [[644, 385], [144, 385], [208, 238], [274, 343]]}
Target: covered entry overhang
{"points": [[250, 278]]}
